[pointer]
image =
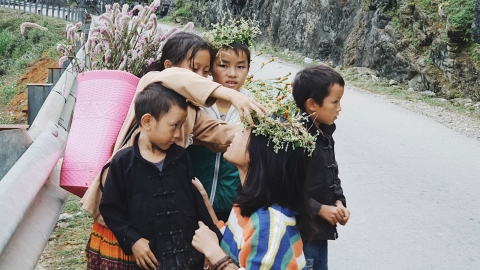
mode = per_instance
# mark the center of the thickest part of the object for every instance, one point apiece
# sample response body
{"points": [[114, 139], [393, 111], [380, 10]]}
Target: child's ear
{"points": [[167, 64], [146, 120], [310, 105]]}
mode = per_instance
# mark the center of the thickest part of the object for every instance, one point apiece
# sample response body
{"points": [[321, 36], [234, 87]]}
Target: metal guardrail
{"points": [[75, 14], [30, 194]]}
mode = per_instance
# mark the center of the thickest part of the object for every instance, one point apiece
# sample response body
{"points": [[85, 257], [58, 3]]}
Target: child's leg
{"points": [[317, 251]]}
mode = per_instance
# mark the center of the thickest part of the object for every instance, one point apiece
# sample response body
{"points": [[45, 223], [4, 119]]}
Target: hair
{"points": [[236, 47], [314, 82], [177, 48], [157, 100], [276, 178]]}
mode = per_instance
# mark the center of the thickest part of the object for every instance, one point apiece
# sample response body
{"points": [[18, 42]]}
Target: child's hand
{"points": [[143, 255], [345, 213], [200, 187], [206, 242], [330, 213], [244, 104]]}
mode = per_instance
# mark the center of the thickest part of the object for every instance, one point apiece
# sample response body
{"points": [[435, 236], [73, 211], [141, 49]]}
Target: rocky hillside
{"points": [[425, 44]]}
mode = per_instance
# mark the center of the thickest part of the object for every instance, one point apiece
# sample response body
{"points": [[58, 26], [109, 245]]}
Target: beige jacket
{"points": [[199, 128]]}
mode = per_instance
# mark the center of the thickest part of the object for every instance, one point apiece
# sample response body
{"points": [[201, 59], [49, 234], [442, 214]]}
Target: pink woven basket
{"points": [[103, 99]]}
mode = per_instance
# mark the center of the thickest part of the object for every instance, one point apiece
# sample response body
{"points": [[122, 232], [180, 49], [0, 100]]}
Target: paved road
{"points": [[412, 186]]}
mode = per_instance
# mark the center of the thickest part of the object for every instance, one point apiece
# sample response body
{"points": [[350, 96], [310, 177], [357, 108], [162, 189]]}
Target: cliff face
{"points": [[400, 40]]}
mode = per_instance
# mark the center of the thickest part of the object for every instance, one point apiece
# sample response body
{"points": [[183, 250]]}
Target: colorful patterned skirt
{"points": [[104, 253]]}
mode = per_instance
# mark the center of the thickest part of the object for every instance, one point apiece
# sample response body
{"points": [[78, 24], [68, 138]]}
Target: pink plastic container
{"points": [[103, 99]]}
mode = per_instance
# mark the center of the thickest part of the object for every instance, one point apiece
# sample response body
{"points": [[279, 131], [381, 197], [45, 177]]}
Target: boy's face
{"points": [[328, 112], [232, 70], [164, 131]]}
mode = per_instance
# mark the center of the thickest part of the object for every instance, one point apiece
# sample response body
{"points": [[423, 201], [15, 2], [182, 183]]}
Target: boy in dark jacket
{"points": [[317, 90], [149, 201]]}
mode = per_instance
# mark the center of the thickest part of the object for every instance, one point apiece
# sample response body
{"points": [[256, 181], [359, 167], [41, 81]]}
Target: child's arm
{"points": [[212, 133], [204, 215], [206, 200], [114, 211], [340, 200], [200, 90], [330, 213]]}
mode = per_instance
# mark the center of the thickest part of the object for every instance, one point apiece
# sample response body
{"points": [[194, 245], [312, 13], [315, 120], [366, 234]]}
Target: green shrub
{"points": [[166, 19], [7, 39], [183, 11], [8, 93], [460, 13]]}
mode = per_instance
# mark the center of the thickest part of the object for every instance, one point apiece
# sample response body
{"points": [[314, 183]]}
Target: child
{"points": [[185, 50], [149, 201], [229, 68], [317, 90]]}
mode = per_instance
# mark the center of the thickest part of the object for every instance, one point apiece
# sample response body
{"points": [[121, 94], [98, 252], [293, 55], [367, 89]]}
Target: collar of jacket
{"points": [[312, 128], [173, 153]]}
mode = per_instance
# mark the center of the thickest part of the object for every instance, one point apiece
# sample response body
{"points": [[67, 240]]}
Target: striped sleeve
{"points": [[271, 241]]}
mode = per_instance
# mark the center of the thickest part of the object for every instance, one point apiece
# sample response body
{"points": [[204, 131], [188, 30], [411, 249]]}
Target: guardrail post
{"points": [[24, 6], [54, 75], [69, 14], [30, 8], [37, 94]]}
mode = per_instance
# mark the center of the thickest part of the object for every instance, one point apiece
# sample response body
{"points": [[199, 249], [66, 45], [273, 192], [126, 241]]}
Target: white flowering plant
{"points": [[230, 31], [125, 40], [75, 35], [283, 123]]}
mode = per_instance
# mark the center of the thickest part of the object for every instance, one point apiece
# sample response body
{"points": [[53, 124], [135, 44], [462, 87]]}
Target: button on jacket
{"points": [[164, 207], [324, 186]]}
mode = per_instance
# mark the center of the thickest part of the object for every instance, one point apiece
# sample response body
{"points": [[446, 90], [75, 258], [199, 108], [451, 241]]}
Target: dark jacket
{"points": [[324, 186], [164, 207]]}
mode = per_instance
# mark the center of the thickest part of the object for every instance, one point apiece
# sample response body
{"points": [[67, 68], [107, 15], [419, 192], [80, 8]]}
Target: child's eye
{"points": [[223, 66], [241, 66]]}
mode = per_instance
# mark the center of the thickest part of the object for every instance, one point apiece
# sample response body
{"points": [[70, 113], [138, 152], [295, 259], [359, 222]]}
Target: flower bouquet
{"points": [[283, 123]]}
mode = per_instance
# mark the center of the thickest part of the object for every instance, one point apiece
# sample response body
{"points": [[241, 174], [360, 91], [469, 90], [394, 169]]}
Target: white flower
{"points": [[62, 60], [123, 64], [32, 25], [125, 9], [188, 27]]}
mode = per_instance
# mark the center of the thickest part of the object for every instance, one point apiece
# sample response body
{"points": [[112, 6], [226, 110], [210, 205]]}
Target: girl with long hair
{"points": [[271, 213]]}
